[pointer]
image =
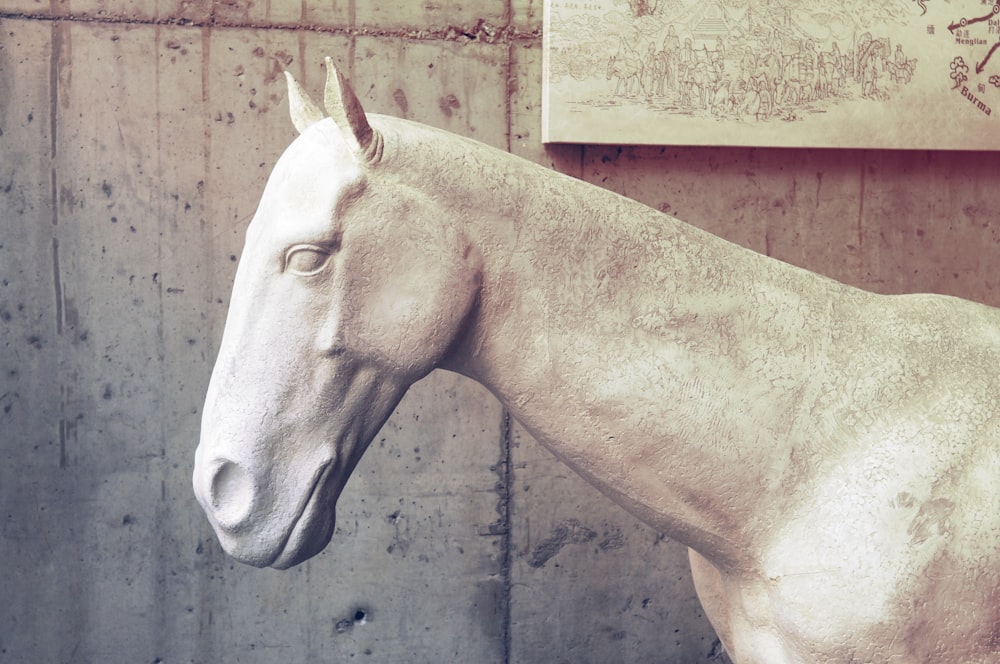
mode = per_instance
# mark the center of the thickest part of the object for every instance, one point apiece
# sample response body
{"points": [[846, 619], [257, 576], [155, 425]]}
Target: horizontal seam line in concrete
{"points": [[482, 32]]}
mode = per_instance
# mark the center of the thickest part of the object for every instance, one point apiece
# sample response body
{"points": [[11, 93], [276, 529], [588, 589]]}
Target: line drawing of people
{"points": [[660, 67], [672, 48], [872, 64], [648, 74], [769, 68], [685, 72]]}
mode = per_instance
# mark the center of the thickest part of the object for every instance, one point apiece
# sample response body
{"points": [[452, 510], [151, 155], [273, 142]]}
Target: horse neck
{"points": [[629, 344]]}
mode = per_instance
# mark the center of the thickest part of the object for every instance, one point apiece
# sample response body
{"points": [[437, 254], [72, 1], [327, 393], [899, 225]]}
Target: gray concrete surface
{"points": [[135, 139]]}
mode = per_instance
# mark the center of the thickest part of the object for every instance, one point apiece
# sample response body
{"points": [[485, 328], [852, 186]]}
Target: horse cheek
{"points": [[416, 316]]}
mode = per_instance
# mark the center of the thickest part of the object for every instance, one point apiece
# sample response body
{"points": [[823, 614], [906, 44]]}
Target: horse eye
{"points": [[305, 260]]}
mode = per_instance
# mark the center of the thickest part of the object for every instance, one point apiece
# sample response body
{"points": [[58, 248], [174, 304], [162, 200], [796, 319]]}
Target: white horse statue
{"points": [[830, 456]]}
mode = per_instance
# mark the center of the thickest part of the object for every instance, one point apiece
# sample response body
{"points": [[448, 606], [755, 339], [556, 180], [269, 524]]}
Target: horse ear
{"points": [[343, 107], [304, 110]]}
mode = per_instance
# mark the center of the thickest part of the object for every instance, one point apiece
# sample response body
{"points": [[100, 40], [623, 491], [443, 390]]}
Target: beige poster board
{"points": [[907, 74]]}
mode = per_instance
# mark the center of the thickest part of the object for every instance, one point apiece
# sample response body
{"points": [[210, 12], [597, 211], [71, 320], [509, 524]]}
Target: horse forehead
{"points": [[308, 180]]}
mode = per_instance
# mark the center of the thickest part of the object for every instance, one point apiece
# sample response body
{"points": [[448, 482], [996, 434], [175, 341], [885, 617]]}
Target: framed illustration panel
{"points": [[905, 74]]}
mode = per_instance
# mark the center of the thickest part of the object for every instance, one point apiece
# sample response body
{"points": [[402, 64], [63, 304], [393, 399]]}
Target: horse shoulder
{"points": [[889, 549], [878, 608]]}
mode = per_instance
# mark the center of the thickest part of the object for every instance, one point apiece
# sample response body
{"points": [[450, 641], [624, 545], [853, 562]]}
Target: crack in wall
{"points": [[482, 31], [505, 507]]}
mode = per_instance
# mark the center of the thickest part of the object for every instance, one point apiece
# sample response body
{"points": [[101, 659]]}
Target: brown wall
{"points": [[134, 141]]}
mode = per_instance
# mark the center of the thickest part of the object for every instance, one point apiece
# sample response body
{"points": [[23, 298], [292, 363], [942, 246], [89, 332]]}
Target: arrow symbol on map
{"points": [[982, 65], [966, 22]]}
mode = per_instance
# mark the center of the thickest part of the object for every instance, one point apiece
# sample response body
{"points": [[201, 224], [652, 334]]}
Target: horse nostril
{"points": [[232, 493]]}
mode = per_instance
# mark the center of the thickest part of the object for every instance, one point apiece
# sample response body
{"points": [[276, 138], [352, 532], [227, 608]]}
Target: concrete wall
{"points": [[134, 141]]}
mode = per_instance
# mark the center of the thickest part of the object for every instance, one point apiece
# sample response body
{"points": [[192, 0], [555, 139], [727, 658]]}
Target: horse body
{"points": [[812, 441], [828, 454]]}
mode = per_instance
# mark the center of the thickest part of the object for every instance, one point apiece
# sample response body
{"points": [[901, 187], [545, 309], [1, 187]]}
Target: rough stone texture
{"points": [[131, 157]]}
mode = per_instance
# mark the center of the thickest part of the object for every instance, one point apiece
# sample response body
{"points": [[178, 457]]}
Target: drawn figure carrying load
{"points": [[626, 67]]}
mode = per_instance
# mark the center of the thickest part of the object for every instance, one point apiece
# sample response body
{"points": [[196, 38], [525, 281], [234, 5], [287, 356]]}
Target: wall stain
{"points": [[449, 104], [400, 98], [567, 532], [401, 538]]}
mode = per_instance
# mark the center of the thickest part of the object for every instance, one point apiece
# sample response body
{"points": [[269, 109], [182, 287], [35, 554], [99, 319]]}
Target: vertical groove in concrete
{"points": [[509, 79], [54, 58], [505, 440], [511, 82], [506, 542]]}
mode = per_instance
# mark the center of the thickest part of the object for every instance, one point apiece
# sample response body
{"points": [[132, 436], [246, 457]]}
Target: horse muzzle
{"points": [[251, 523]]}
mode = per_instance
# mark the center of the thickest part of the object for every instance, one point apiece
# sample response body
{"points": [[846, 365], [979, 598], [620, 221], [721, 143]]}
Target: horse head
{"points": [[352, 285]]}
